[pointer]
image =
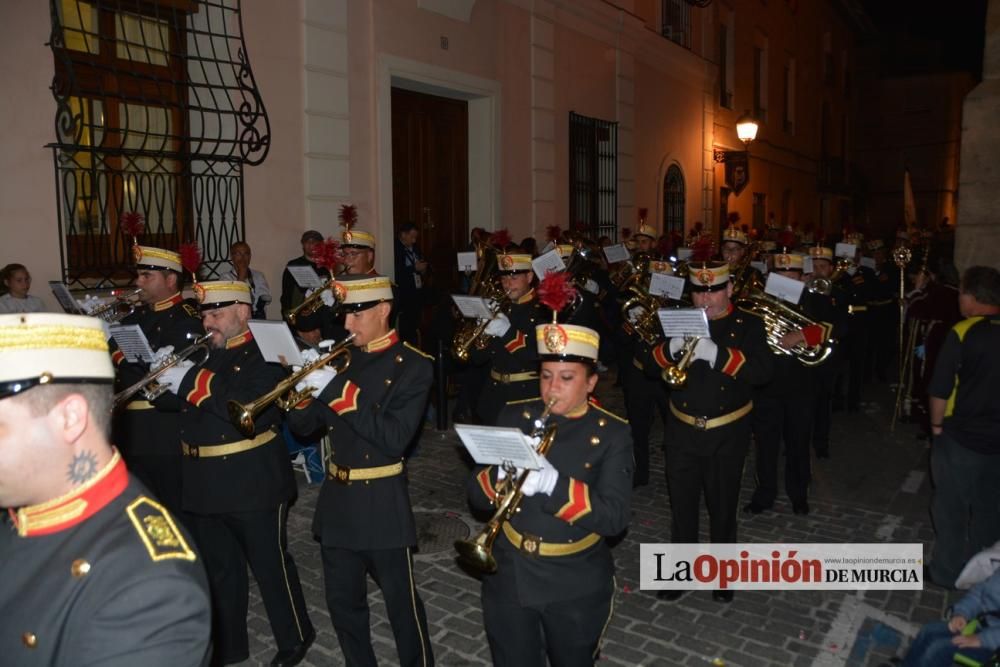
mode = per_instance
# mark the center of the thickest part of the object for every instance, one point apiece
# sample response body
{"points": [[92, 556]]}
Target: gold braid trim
{"points": [[43, 337]]}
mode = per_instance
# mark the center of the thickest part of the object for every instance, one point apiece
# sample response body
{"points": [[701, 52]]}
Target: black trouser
{"points": [[775, 421], [227, 543], [823, 405], [572, 630], [857, 348], [643, 395], [345, 578], [719, 473]]}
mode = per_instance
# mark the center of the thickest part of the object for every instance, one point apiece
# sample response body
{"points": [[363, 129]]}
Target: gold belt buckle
{"points": [[530, 544], [701, 423], [193, 451], [505, 378], [343, 474]]}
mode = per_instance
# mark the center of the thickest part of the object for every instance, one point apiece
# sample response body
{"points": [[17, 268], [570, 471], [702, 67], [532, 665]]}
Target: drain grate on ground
{"points": [[437, 531]]}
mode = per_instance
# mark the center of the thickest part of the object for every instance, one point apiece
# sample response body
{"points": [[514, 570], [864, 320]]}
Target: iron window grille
{"points": [[677, 22], [157, 113], [673, 201], [593, 176]]}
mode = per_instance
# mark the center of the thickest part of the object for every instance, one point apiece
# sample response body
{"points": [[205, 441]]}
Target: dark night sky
{"points": [[957, 27]]}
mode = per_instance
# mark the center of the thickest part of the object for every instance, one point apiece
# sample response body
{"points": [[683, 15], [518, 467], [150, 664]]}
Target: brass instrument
{"points": [[471, 331], [312, 303], [242, 415], [117, 310], [824, 286], [478, 552], [630, 270], [647, 322], [676, 376], [148, 384], [780, 319]]}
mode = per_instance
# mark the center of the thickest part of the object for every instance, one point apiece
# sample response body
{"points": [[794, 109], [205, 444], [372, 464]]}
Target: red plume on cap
{"points": [[190, 258], [329, 255], [553, 232], [733, 217], [133, 223], [702, 250], [348, 216], [698, 226], [787, 239], [676, 239], [643, 214], [580, 226], [500, 239], [626, 233], [556, 290]]}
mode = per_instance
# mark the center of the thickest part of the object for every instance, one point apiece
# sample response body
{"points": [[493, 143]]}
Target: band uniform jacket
{"points": [[117, 585], [374, 411], [744, 361], [514, 353], [256, 479], [139, 428], [593, 454]]}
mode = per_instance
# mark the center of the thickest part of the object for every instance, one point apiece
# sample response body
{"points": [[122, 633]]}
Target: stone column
{"points": [[977, 231]]}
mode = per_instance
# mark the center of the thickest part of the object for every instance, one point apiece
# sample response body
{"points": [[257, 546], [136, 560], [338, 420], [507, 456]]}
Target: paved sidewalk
{"points": [[873, 489]]}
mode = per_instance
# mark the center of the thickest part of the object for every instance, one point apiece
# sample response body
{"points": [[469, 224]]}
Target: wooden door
{"points": [[430, 177]]}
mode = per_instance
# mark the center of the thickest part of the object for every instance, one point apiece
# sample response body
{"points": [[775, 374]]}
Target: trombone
{"points": [[114, 311], [148, 384], [242, 415], [478, 552]]}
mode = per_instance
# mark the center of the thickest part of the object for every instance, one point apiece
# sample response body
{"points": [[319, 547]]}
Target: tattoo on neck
{"points": [[83, 467]]}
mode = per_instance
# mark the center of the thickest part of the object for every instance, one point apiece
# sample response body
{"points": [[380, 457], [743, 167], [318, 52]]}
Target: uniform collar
{"points": [[241, 339], [729, 311], [576, 413], [383, 343], [528, 296], [167, 303], [75, 507]]}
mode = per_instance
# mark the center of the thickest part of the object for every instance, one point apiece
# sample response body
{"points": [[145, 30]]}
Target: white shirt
{"points": [[259, 289], [30, 304]]}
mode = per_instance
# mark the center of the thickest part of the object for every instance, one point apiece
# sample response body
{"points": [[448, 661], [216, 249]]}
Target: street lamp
{"points": [[738, 162], [746, 128]]}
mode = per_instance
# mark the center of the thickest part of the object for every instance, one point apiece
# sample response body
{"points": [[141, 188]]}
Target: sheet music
{"points": [[684, 322], [684, 253], [132, 342], [494, 445], [65, 298], [870, 263], [807, 265], [550, 261], [276, 342], [845, 250], [787, 289], [661, 284], [616, 253], [467, 261], [472, 307], [305, 276], [548, 246], [760, 266]]}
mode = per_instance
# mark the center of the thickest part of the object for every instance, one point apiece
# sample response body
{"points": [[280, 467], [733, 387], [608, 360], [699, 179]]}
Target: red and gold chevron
{"points": [[117, 357], [484, 483], [578, 504], [348, 399], [202, 387], [815, 334], [519, 343], [660, 355], [734, 363]]}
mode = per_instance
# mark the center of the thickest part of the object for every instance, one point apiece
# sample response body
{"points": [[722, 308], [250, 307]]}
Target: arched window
{"points": [[673, 200]]}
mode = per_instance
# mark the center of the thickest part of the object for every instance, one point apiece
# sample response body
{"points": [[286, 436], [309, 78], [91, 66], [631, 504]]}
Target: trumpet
{"points": [[117, 310], [478, 552], [242, 415], [676, 376], [312, 303], [148, 384]]}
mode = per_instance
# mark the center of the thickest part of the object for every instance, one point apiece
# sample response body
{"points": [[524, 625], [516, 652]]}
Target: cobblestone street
{"points": [[873, 489]]}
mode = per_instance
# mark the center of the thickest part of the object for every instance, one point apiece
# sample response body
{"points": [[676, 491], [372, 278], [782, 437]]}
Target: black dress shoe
{"points": [[722, 596], [801, 508], [754, 508], [670, 596], [293, 656]]}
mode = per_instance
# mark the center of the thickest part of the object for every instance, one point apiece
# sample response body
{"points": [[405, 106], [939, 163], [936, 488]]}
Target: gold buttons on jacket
{"points": [[29, 639], [602, 421], [588, 465], [526, 414], [399, 358], [595, 440], [80, 568], [388, 381]]}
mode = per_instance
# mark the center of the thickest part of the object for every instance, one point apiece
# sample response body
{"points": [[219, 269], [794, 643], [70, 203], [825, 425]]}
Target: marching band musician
{"points": [[512, 358], [358, 248], [95, 571], [783, 408], [708, 436], [363, 520], [236, 490], [553, 590], [857, 283], [291, 294], [149, 432]]}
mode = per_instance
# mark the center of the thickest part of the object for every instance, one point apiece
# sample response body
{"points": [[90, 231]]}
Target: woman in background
{"points": [[16, 283]]}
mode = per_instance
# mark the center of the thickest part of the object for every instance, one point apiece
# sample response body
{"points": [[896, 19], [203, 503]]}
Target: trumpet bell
{"points": [[675, 377], [242, 417], [475, 554]]}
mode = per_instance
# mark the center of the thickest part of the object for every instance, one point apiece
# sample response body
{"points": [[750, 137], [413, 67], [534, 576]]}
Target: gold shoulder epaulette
{"points": [[609, 413], [418, 351], [524, 400], [191, 310], [158, 531]]}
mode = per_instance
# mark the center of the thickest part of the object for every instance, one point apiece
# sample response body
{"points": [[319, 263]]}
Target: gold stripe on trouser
{"points": [[714, 422], [140, 405], [856, 309], [209, 451], [508, 378], [346, 474], [413, 602], [284, 573], [611, 613], [551, 548]]}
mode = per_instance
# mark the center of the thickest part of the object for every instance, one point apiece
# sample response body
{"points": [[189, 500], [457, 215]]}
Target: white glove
{"points": [[317, 380], [591, 286], [707, 350], [498, 326], [90, 303], [542, 480], [161, 355], [174, 376], [309, 355], [328, 298], [633, 314], [676, 343]]}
